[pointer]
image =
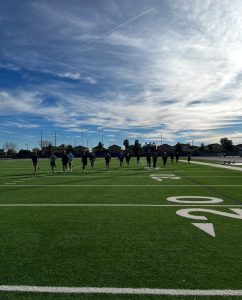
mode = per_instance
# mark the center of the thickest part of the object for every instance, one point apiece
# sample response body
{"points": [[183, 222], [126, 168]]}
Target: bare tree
{"points": [[9, 146]]}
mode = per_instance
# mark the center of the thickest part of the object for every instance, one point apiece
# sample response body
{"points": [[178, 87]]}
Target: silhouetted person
{"points": [[107, 160], [127, 158], [177, 155], [138, 158], [172, 158], [164, 158], [154, 157], [64, 160], [92, 159], [35, 161], [148, 160], [189, 156], [121, 159], [84, 161]]}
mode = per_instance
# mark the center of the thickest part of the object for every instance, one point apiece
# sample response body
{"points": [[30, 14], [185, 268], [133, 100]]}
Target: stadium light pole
{"points": [[27, 146], [55, 138], [41, 140]]}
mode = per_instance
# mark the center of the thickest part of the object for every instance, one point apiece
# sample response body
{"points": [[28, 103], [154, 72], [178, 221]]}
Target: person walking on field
{"points": [[121, 159], [138, 158], [189, 156], [177, 155], [164, 158], [52, 160], [92, 159], [148, 160], [70, 157], [64, 160], [107, 159], [84, 162], [172, 158], [127, 158], [35, 161], [154, 157]]}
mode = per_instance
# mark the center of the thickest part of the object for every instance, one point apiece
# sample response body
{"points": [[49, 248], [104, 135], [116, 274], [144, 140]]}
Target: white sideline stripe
{"points": [[141, 176], [122, 185], [112, 205], [216, 165], [124, 291]]}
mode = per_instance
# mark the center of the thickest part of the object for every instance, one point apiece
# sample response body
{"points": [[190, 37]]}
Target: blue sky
{"points": [[131, 69]]}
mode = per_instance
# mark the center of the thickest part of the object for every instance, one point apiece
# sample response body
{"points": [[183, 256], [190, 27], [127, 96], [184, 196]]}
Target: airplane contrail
{"points": [[107, 33], [51, 60], [98, 38]]}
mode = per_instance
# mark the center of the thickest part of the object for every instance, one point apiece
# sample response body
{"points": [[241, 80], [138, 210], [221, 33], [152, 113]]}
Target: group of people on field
{"points": [[67, 159], [164, 156]]}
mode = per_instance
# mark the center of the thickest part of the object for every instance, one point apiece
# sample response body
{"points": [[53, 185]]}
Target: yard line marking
{"points": [[206, 227], [122, 185], [111, 205], [123, 291]]}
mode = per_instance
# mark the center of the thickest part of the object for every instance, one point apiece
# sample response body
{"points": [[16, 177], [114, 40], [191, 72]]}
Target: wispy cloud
{"points": [[174, 66]]}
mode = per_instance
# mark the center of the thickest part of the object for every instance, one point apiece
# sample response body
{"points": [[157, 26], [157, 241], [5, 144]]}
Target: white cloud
{"points": [[117, 38], [9, 66], [19, 124], [74, 76], [180, 71]]}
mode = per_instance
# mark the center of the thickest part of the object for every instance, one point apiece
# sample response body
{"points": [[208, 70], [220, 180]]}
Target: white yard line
{"points": [[215, 165], [136, 176], [112, 205], [123, 291], [123, 185]]}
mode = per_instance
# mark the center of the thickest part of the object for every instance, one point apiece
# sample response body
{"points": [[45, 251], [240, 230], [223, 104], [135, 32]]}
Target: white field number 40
{"points": [[187, 212]]}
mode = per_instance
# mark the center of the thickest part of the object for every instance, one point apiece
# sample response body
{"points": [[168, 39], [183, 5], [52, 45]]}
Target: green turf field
{"points": [[117, 229]]}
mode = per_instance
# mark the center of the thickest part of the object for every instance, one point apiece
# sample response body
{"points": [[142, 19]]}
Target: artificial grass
{"points": [[134, 247]]}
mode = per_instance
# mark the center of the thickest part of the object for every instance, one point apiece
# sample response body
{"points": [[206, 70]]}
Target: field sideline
{"points": [[130, 233]]}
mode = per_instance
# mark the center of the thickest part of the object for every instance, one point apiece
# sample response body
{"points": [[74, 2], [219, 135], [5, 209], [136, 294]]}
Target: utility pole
{"points": [[27, 146], [41, 140], [161, 138], [55, 138], [82, 138]]}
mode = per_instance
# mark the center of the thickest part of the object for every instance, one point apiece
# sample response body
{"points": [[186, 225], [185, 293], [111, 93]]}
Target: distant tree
{"points": [[100, 145], [69, 148], [202, 147], [36, 150], [2, 152], [10, 147], [210, 147], [49, 149], [226, 144], [126, 144], [23, 153]]}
